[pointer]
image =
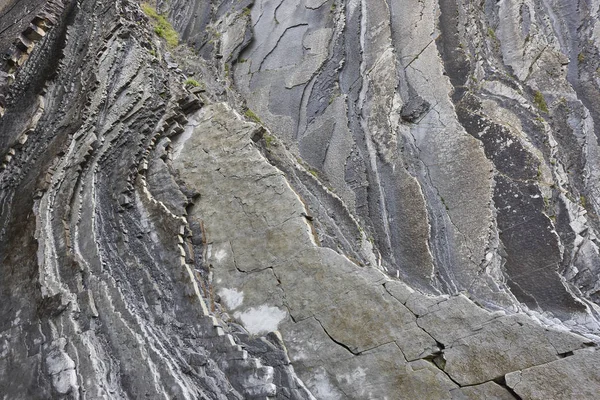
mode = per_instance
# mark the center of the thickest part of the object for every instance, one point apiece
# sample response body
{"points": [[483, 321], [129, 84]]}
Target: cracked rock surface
{"points": [[315, 199]]}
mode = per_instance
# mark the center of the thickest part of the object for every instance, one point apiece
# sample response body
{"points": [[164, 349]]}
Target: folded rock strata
{"points": [[315, 199]]}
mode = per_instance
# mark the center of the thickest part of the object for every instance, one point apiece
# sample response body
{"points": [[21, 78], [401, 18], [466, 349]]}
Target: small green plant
{"points": [[149, 11], [162, 27], [582, 201], [191, 82], [491, 33], [246, 11], [581, 57], [540, 101], [269, 140], [213, 31], [251, 116]]}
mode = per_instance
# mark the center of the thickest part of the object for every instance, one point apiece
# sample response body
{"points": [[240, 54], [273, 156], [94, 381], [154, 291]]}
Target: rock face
{"points": [[303, 200]]}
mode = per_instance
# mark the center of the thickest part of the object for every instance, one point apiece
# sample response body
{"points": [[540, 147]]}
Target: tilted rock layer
{"points": [[304, 199]]}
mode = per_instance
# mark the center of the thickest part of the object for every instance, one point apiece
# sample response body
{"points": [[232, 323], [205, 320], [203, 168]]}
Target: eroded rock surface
{"points": [[317, 199]]}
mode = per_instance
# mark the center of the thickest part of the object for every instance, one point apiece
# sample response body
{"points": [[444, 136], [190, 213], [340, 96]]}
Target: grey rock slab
{"points": [[423, 378], [389, 374], [374, 374], [453, 319], [245, 206], [339, 307], [504, 345], [315, 44], [574, 377], [401, 291], [420, 304], [309, 346], [378, 320], [488, 390], [452, 159]]}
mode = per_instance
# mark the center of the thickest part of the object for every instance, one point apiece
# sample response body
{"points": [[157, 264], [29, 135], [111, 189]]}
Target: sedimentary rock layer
{"points": [[314, 199]]}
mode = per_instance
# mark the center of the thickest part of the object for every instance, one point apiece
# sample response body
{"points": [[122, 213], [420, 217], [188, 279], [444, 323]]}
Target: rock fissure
{"points": [[334, 340]]}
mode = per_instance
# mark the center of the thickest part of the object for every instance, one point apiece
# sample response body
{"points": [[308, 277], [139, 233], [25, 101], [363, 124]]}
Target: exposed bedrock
{"points": [[303, 199]]}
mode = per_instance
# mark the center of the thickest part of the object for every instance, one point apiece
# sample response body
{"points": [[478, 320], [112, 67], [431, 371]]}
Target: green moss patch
{"points": [[250, 115], [162, 27], [191, 82], [540, 101]]}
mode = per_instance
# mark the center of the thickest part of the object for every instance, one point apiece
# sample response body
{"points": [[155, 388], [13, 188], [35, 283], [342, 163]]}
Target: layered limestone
{"points": [[314, 199], [351, 332]]}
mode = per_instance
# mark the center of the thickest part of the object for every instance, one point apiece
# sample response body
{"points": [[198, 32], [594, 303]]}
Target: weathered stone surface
{"points": [[453, 319], [573, 377], [503, 345], [488, 390], [414, 109], [269, 281], [304, 199]]}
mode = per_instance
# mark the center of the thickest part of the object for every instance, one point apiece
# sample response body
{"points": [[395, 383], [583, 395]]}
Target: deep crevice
{"points": [[334, 340], [501, 381]]}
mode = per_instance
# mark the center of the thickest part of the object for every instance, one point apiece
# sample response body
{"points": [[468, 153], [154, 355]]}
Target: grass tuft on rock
{"points": [[191, 82], [540, 101], [162, 27], [250, 115], [270, 140]]}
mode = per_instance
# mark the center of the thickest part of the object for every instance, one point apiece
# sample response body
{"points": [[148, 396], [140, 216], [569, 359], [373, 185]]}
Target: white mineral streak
{"points": [[261, 320], [232, 298]]}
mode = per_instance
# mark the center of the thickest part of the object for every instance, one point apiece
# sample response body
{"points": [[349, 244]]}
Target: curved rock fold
{"points": [[302, 200]]}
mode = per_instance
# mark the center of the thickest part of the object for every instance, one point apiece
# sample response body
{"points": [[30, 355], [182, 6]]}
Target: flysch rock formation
{"points": [[315, 199]]}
